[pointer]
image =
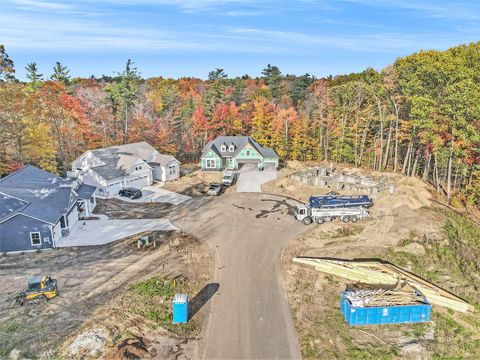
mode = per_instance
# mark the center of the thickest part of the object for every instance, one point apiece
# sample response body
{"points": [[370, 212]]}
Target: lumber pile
{"points": [[368, 295], [379, 272]]}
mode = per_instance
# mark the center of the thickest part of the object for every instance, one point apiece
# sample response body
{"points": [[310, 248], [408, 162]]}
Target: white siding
{"points": [[56, 233], [175, 166], [72, 217], [159, 173]]}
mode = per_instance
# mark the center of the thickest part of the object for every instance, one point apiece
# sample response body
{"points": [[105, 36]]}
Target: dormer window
{"points": [[223, 148], [231, 148]]}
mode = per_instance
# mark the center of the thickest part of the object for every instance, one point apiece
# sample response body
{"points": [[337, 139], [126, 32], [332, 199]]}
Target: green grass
{"points": [[152, 299], [451, 263], [356, 353], [452, 340]]}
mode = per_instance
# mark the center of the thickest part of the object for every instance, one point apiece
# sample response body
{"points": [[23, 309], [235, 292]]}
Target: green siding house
{"points": [[231, 152]]}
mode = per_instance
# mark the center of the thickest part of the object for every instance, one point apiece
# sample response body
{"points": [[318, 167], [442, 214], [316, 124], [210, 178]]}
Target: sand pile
{"points": [[295, 165]]}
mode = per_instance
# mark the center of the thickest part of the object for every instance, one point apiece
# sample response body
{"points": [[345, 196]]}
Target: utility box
{"points": [[180, 308]]}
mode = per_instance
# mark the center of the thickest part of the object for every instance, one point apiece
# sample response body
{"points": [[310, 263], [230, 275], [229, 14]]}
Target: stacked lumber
{"points": [[380, 272]]}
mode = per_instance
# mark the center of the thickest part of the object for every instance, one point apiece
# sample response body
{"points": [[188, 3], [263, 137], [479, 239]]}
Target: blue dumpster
{"points": [[396, 314], [180, 308]]}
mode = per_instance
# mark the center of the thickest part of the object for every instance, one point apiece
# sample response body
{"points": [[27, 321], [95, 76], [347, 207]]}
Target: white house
{"points": [[131, 165]]}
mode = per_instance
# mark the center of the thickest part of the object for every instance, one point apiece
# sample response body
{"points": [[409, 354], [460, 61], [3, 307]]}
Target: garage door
{"points": [[270, 165], [248, 162], [138, 183], [114, 188]]}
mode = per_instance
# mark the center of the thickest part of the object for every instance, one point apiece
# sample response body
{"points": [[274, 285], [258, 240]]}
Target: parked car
{"points": [[131, 193], [215, 189], [228, 178]]}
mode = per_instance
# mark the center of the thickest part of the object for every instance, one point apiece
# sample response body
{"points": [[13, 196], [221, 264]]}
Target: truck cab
{"points": [[302, 212]]}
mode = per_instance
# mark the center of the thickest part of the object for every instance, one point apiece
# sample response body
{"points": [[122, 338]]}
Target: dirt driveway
{"points": [[88, 277], [249, 317]]}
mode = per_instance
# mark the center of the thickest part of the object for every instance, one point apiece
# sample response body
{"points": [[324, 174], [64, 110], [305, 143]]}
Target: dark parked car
{"points": [[214, 189], [131, 193]]}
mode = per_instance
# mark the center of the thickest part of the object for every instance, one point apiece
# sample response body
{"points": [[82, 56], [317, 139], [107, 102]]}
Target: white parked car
{"points": [[215, 189], [228, 178]]}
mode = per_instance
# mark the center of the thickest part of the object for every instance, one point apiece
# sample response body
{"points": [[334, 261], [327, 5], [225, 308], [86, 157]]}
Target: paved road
{"points": [[249, 316], [250, 179]]}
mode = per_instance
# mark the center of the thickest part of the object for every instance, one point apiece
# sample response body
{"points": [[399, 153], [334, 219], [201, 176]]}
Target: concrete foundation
{"points": [[325, 178]]}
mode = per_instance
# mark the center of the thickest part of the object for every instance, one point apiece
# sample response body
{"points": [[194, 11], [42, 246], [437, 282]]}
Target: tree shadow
{"points": [[201, 298]]}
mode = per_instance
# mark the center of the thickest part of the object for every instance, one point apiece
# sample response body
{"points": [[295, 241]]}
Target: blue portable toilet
{"points": [[180, 308]]}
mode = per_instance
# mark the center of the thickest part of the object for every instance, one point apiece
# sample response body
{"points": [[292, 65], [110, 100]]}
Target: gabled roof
{"points": [[239, 142], [85, 191], [38, 193], [163, 160], [10, 205], [119, 159]]}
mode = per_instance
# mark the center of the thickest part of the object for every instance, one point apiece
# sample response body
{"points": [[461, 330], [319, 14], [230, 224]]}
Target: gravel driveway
{"points": [[104, 231], [250, 179]]}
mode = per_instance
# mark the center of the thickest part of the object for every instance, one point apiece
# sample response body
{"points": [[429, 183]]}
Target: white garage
{"points": [[120, 166]]}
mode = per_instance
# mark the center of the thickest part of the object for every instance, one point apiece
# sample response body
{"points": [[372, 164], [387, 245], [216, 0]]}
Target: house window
{"points": [[35, 239], [223, 148], [231, 148], [248, 152], [171, 170], [211, 163]]}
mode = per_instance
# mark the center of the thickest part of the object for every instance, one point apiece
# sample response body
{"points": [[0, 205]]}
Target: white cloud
{"points": [[41, 5], [453, 10]]}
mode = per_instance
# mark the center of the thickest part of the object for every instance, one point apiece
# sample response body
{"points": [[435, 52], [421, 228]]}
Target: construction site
{"points": [[399, 285], [394, 278]]}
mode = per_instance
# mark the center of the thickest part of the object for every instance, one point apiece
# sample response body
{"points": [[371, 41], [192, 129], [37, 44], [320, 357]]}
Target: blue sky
{"points": [[174, 38]]}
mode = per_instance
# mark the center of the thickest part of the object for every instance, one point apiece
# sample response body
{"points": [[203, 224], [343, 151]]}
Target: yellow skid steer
{"points": [[40, 290]]}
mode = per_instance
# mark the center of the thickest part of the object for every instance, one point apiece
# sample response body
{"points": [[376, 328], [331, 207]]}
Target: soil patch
{"points": [[88, 279]]}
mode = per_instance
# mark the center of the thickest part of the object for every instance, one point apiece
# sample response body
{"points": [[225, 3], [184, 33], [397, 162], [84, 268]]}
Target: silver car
{"points": [[215, 189]]}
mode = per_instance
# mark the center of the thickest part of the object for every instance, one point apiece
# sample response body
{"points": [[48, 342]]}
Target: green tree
{"points": [[217, 74], [300, 88], [273, 78], [33, 75], [7, 69], [60, 74], [124, 93]]}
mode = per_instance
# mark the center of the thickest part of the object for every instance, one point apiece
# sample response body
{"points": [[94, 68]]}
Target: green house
{"points": [[231, 152]]}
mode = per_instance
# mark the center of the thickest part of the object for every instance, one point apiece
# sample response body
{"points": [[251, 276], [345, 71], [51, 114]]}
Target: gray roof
{"points": [[43, 195], [239, 143], [85, 191], [120, 158], [163, 160], [10, 205]]}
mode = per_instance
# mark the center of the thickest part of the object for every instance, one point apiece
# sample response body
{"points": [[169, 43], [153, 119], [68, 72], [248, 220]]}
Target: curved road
{"points": [[249, 316]]}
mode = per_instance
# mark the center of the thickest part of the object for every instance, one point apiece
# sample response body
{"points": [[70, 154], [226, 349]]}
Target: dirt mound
{"points": [[410, 192], [295, 165], [132, 348]]}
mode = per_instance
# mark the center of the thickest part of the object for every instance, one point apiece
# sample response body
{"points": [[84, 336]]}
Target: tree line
{"points": [[419, 116]]}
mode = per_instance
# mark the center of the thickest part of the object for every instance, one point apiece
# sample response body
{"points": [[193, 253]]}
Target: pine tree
{"points": [[7, 69], [33, 75], [60, 74]]}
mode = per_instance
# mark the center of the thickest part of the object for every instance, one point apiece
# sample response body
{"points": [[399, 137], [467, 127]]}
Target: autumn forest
{"points": [[419, 116]]}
